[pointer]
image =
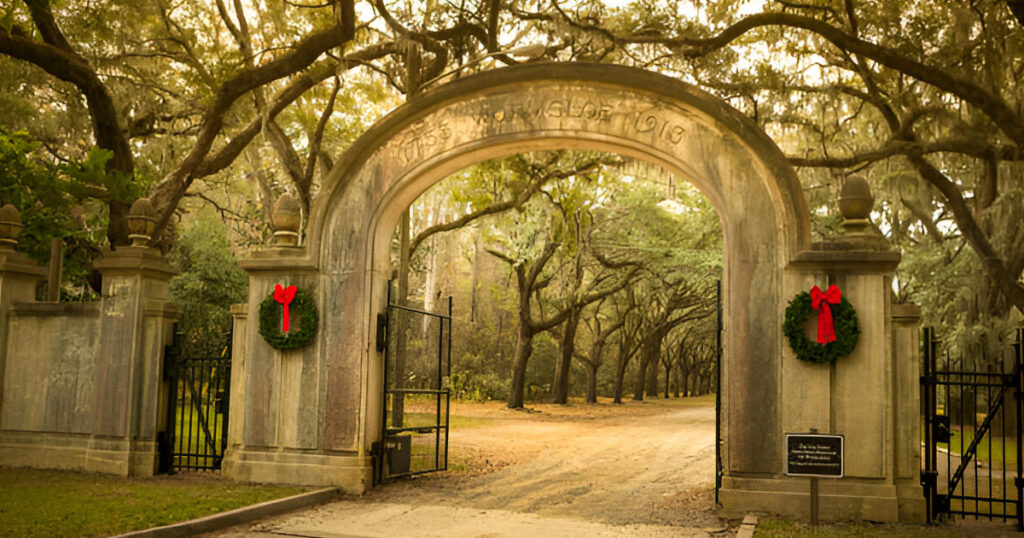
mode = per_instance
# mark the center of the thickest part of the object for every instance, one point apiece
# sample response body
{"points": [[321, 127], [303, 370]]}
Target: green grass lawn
{"points": [[962, 439], [59, 503]]}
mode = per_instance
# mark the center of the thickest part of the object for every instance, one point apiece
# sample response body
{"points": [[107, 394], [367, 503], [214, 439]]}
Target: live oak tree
{"points": [[929, 92]]}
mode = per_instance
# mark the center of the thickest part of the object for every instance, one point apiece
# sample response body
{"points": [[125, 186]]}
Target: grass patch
{"points": [[1001, 447], [789, 528], [60, 503]]}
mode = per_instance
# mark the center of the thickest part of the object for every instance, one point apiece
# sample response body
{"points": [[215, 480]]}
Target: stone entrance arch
{"points": [[310, 416]]}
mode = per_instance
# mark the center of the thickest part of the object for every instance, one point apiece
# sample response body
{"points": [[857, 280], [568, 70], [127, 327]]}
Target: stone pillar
{"points": [[136, 322], [869, 396], [906, 335], [19, 276], [280, 400]]}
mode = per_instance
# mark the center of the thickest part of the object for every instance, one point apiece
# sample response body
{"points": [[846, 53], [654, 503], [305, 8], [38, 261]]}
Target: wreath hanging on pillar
{"points": [[288, 318], [838, 329]]}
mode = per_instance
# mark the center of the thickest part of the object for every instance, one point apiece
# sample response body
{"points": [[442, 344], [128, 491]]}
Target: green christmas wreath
{"points": [[844, 319], [276, 327]]}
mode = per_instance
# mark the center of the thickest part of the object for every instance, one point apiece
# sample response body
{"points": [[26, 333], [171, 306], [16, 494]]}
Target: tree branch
{"points": [[987, 101], [172, 187], [974, 147]]}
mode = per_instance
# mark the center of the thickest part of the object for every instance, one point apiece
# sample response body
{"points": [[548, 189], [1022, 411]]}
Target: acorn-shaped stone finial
{"points": [[287, 214], [141, 222], [855, 200], [10, 226]]}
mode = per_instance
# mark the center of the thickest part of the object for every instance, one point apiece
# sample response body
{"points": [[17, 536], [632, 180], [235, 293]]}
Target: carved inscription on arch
{"points": [[593, 113], [531, 111], [657, 124], [423, 136]]}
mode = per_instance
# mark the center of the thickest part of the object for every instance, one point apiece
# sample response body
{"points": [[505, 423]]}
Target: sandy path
{"points": [[639, 464]]}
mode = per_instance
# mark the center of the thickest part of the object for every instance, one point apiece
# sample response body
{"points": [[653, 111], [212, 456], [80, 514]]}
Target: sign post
{"points": [[814, 455]]}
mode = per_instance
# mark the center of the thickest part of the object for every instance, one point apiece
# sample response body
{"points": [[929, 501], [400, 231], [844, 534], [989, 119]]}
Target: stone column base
{"points": [[838, 500], [78, 452], [281, 466]]}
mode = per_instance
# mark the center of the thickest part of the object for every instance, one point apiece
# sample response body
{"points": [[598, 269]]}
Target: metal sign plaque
{"points": [[813, 454]]}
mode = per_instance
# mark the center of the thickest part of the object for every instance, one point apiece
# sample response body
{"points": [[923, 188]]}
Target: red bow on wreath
{"points": [[820, 302], [285, 296]]}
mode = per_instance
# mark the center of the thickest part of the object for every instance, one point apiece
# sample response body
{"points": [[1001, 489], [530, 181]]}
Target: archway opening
{"points": [[583, 288]]}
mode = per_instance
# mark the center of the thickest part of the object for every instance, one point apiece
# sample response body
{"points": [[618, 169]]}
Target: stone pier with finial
{"points": [[870, 396], [82, 383]]}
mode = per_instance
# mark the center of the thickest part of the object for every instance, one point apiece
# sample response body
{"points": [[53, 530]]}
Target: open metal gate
{"points": [[197, 409], [972, 463], [417, 367], [718, 390]]}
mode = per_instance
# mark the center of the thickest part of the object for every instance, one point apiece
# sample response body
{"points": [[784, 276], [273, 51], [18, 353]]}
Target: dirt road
{"points": [[644, 468]]}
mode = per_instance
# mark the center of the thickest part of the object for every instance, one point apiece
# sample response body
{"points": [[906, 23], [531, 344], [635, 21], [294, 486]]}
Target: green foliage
{"points": [[87, 176], [44, 193], [209, 282], [473, 380]]}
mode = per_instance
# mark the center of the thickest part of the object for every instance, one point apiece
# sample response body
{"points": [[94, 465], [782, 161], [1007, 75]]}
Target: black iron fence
{"points": [[197, 410], [972, 464]]}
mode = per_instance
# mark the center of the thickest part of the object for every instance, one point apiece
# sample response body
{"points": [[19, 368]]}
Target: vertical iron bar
{"points": [[208, 446], [384, 391], [960, 420], [928, 477], [171, 358], [226, 406], [1018, 381], [1002, 418], [190, 372], [448, 388], [437, 417], [991, 460], [718, 389], [949, 444], [215, 417], [182, 428], [974, 425]]}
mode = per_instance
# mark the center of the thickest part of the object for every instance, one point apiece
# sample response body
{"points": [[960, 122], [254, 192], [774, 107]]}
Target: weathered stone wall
{"points": [[49, 384], [82, 383]]}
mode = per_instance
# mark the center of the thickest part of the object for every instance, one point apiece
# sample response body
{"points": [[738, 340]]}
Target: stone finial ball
{"points": [[142, 207], [9, 213], [10, 226], [855, 200], [141, 220], [287, 213]]}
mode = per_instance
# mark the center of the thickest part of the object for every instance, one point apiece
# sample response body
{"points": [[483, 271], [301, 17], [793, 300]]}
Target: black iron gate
{"points": [[972, 463], [417, 366], [197, 409], [718, 390]]}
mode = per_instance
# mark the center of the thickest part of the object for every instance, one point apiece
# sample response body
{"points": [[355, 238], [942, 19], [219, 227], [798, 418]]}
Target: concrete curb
{"points": [[237, 516], [748, 527]]}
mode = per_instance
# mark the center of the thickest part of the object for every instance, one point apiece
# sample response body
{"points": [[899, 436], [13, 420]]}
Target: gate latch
{"points": [[940, 429]]}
